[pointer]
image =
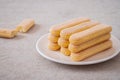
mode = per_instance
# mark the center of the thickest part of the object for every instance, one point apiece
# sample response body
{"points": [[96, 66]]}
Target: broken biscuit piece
{"points": [[25, 25], [7, 33]]}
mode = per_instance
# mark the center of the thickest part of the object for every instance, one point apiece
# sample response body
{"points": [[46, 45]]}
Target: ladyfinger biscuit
{"points": [[74, 48], [63, 43], [55, 30], [53, 46], [65, 51], [53, 38], [86, 35], [91, 51], [25, 25], [65, 33], [6, 33]]}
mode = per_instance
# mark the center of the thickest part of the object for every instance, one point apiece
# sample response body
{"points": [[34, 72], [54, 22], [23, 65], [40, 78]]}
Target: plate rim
{"points": [[76, 63]]}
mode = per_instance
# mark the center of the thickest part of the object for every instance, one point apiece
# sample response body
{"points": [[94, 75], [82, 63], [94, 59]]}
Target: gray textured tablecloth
{"points": [[19, 59]]}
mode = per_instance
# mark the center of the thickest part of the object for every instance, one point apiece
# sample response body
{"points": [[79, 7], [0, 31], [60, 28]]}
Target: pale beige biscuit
{"points": [[25, 25], [65, 33], [53, 38], [7, 33], [63, 43], [74, 48], [86, 35], [91, 51], [53, 46], [55, 30], [65, 51]]}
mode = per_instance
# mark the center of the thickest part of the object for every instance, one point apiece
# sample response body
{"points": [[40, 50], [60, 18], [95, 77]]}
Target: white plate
{"points": [[56, 56]]}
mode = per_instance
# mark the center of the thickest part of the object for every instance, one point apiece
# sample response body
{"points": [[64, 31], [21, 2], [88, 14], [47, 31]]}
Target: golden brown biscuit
{"points": [[65, 51], [53, 38], [55, 30], [7, 33], [81, 37], [25, 25], [74, 48], [91, 51], [53, 46], [63, 43], [65, 33]]}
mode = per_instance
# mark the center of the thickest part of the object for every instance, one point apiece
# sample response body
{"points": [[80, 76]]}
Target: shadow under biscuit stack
{"points": [[80, 38]]}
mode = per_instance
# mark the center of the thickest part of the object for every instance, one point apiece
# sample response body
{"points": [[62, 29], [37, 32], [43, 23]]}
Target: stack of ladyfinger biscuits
{"points": [[55, 31], [80, 38]]}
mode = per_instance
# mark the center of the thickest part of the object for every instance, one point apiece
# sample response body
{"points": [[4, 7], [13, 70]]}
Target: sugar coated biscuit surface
{"points": [[98, 30], [65, 33], [91, 51], [55, 30], [74, 48]]}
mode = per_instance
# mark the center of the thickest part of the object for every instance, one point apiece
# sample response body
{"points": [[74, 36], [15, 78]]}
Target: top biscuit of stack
{"points": [[56, 29]]}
